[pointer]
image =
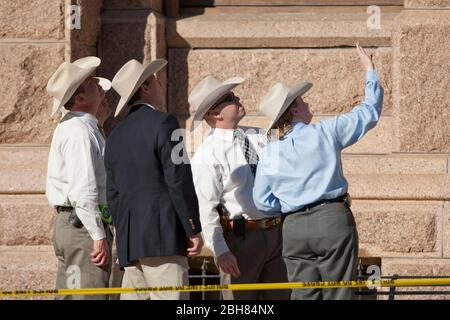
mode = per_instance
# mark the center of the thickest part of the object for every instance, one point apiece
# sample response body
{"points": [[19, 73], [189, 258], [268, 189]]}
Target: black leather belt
{"points": [[344, 199], [60, 209]]}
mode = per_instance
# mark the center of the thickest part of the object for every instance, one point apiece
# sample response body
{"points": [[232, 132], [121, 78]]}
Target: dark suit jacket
{"points": [[151, 199]]}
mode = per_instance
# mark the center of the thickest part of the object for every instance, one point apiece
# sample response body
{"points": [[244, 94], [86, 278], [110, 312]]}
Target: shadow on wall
{"points": [[122, 37]]}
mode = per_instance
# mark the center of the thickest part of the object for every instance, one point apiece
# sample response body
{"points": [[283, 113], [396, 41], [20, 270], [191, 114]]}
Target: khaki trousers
{"points": [[156, 272], [75, 269]]}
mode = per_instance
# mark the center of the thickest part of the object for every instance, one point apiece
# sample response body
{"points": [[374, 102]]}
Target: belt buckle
{"points": [[269, 223]]}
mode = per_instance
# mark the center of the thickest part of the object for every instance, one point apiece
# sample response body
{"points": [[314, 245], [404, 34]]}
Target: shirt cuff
{"points": [[372, 75], [97, 233]]}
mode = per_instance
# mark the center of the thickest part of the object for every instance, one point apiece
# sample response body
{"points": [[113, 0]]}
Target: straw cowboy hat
{"points": [[130, 77], [206, 93], [278, 99], [67, 78]]}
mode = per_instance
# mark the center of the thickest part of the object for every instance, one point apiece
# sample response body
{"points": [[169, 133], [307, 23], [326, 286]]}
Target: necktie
{"points": [[251, 156]]}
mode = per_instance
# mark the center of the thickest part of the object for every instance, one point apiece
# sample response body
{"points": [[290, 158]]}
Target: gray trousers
{"points": [[259, 259], [321, 245], [75, 269]]}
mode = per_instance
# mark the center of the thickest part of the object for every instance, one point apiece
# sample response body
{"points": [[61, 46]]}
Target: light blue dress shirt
{"points": [[306, 165]]}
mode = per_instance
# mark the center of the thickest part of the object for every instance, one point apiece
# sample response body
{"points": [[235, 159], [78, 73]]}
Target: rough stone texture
{"points": [[336, 74], [399, 228], [427, 4], [26, 106], [417, 267], [405, 164], [39, 19], [23, 169], [282, 30], [399, 186], [130, 35], [421, 53], [80, 51], [88, 34], [25, 220], [156, 5], [25, 268], [446, 217], [378, 140]]}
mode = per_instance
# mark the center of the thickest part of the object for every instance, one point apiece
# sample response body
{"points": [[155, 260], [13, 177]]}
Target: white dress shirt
{"points": [[221, 175], [76, 173]]}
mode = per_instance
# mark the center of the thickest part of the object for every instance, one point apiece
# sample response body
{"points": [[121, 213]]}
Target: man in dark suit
{"points": [[151, 195]]}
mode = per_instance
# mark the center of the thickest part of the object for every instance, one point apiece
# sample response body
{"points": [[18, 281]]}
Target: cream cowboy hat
{"points": [[104, 83], [206, 93], [67, 78], [278, 99], [130, 77]]}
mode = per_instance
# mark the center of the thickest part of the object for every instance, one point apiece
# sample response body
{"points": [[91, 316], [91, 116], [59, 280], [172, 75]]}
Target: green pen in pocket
{"points": [[106, 217]]}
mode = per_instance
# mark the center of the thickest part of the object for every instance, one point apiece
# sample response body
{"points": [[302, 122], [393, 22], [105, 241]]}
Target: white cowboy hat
{"points": [[206, 93], [67, 78], [278, 99], [104, 83], [130, 77]]}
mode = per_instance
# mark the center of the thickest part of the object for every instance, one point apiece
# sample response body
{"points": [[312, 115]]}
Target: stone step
{"points": [[295, 29], [27, 268], [414, 268], [373, 171]]}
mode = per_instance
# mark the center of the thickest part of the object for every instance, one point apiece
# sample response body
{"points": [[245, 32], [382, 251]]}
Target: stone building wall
{"points": [[398, 174]]}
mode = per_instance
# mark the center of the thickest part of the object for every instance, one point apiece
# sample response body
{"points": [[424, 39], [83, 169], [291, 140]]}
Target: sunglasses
{"points": [[228, 98]]}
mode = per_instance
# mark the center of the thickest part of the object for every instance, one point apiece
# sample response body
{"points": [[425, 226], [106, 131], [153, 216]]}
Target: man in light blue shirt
{"points": [[301, 176]]}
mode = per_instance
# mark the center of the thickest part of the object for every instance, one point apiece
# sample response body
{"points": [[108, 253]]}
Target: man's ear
{"points": [[79, 99], [145, 87], [294, 111], [213, 115]]}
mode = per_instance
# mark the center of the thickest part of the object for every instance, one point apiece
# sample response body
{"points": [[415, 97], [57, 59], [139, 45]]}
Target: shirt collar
{"points": [[144, 103], [298, 124], [84, 115], [224, 134]]}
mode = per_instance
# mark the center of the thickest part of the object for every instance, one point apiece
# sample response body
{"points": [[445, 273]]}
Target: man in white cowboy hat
{"points": [[246, 244], [151, 197], [320, 240], [76, 179]]}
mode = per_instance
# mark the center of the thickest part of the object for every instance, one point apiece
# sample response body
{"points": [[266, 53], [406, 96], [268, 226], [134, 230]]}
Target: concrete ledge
{"points": [[417, 267], [398, 186], [427, 4], [280, 30], [373, 172]]}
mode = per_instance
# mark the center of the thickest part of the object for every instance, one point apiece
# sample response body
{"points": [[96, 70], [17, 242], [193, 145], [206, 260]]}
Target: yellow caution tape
{"points": [[236, 287]]}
